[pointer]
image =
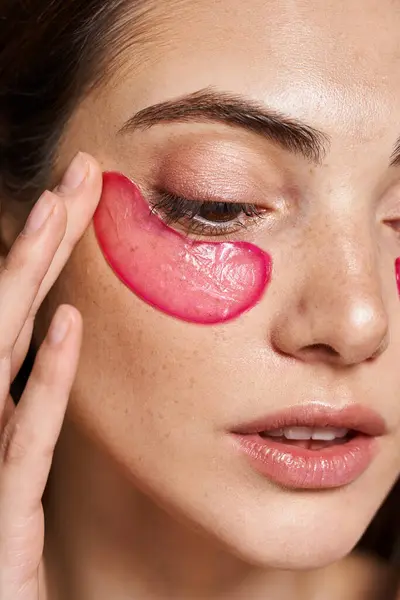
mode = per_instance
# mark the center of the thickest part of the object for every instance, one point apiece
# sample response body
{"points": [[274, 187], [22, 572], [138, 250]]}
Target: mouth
{"points": [[313, 446], [311, 438]]}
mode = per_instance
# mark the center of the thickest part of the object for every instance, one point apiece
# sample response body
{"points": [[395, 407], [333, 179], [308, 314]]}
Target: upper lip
{"points": [[353, 417]]}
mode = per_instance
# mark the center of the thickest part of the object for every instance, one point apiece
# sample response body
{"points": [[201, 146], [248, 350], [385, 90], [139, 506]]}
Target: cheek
{"points": [[199, 282]]}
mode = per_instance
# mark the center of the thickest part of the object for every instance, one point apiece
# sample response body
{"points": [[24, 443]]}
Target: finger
{"points": [[22, 272], [80, 202], [28, 441], [21, 345], [8, 410]]}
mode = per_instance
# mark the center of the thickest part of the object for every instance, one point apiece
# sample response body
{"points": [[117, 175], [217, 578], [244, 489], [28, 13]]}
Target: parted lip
{"points": [[354, 417]]}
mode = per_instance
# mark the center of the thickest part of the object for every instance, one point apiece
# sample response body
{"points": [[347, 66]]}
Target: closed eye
{"points": [[208, 218]]}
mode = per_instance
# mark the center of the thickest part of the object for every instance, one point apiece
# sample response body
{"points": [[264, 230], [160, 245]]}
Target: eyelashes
{"points": [[206, 218]]}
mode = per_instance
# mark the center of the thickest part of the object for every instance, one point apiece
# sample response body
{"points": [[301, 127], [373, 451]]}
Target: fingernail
{"points": [[40, 213], [60, 326], [74, 175]]}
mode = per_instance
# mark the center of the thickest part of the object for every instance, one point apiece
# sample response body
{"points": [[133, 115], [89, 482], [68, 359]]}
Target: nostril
{"points": [[320, 350]]}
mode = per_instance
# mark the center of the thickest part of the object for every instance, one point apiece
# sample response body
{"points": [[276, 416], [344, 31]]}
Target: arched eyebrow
{"points": [[212, 106]]}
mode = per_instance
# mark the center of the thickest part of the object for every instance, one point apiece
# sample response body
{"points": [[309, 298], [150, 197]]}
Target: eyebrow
{"points": [[395, 158], [211, 106]]}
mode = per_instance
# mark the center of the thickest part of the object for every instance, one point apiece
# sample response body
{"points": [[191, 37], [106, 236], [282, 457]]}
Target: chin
{"points": [[292, 549], [294, 532], [285, 554]]}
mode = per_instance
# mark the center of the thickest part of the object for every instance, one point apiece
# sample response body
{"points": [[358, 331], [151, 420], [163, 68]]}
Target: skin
{"points": [[143, 465]]}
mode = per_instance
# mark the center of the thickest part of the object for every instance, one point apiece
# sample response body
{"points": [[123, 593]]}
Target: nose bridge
{"points": [[339, 303], [343, 259]]}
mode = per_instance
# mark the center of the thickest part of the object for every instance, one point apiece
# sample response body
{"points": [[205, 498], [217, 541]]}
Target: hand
{"points": [[29, 432]]}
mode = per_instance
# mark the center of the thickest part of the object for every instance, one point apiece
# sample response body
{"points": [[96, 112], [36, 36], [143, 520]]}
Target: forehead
{"points": [[335, 64]]}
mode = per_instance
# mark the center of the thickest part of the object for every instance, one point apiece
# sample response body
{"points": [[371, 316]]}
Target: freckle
{"points": [[192, 383], [143, 371], [163, 367], [220, 335]]}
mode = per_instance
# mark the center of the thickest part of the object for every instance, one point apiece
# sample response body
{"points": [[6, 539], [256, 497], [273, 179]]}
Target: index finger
{"points": [[80, 203]]}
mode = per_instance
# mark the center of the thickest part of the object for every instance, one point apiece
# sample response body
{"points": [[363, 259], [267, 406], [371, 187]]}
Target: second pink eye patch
{"points": [[196, 281]]}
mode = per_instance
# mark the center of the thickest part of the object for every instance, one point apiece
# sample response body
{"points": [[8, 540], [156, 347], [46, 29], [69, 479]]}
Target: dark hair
{"points": [[52, 52]]}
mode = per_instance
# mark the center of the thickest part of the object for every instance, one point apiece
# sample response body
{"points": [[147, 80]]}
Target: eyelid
{"points": [[174, 209], [200, 196]]}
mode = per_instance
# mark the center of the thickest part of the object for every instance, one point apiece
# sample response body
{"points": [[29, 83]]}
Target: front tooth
{"points": [[328, 434], [297, 433]]}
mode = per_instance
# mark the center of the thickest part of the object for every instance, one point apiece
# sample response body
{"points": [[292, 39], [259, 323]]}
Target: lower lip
{"points": [[299, 468]]}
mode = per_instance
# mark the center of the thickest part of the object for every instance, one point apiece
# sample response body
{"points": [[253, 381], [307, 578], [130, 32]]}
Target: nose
{"points": [[334, 310]]}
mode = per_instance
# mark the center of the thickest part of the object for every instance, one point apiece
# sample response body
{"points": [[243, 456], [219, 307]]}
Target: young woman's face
{"points": [[162, 395]]}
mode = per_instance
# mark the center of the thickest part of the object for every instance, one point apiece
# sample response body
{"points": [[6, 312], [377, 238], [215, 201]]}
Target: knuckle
{"points": [[18, 443], [16, 259], [25, 255], [14, 447], [19, 260]]}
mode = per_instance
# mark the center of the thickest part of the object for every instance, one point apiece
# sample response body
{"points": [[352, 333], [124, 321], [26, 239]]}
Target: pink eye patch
{"points": [[196, 281]]}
